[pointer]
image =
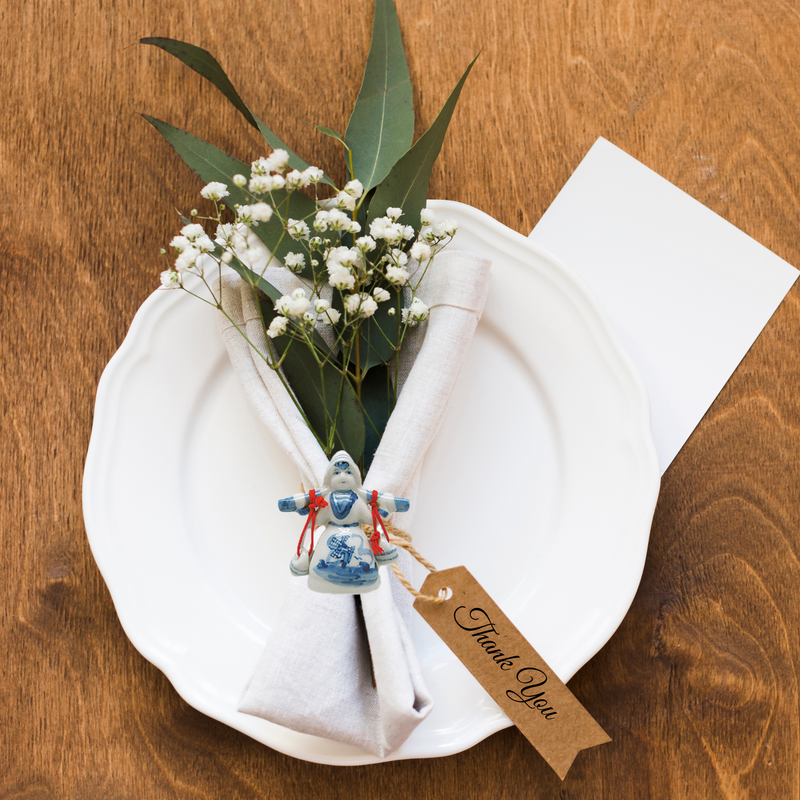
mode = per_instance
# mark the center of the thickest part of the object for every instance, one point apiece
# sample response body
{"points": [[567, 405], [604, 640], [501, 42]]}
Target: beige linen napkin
{"points": [[314, 675]]}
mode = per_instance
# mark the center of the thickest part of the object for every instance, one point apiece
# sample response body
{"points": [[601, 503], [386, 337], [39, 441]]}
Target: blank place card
{"points": [[687, 292]]}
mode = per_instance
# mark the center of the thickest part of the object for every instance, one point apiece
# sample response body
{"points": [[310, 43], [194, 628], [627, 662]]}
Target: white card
{"points": [[686, 291]]}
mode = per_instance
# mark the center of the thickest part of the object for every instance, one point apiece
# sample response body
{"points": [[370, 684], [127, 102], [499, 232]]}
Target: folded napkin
{"points": [[314, 675]]}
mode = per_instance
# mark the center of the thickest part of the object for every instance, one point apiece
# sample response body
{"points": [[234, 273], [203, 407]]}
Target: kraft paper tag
{"points": [[483, 638]]}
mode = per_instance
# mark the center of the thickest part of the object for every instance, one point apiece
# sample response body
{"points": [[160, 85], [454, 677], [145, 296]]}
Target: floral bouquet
{"points": [[348, 328]]}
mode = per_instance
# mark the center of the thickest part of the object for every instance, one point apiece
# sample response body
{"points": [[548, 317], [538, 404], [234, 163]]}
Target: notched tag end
{"points": [[483, 638]]}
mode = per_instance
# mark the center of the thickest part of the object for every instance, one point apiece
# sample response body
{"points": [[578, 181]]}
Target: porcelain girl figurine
{"points": [[341, 559]]}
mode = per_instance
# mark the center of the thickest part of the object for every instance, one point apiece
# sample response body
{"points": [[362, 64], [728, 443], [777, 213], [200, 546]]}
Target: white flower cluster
{"points": [[215, 191], [326, 249], [295, 307], [417, 312], [267, 175], [192, 243]]}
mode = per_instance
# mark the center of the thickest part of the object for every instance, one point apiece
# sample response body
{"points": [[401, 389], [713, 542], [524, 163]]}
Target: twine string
{"points": [[402, 538]]}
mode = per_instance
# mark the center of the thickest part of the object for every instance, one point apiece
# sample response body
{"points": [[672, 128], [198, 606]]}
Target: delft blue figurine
{"points": [[343, 560]]}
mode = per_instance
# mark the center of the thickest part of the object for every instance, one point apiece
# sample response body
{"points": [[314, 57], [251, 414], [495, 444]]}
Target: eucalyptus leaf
{"points": [[204, 64], [212, 164], [209, 163], [320, 391], [381, 127], [252, 278], [406, 185], [332, 133], [376, 402], [380, 334]]}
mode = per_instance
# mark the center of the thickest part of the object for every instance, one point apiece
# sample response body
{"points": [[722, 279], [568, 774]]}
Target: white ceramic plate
{"points": [[542, 481]]}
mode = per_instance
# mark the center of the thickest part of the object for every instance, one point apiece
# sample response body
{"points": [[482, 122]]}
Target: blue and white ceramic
{"points": [[343, 560]]}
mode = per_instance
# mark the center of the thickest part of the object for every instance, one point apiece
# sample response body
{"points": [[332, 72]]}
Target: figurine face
{"points": [[343, 479]]}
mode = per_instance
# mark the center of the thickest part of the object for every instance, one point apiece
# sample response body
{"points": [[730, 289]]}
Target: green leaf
{"points": [[380, 334], [252, 278], [381, 127], [376, 402], [210, 163], [305, 377], [204, 64], [332, 133], [406, 185]]}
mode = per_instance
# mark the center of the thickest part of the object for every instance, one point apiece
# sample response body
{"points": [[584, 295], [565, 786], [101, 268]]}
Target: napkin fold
{"points": [[314, 675]]}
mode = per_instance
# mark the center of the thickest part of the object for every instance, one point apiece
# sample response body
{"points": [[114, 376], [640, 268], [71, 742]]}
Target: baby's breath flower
{"points": [[341, 279], [354, 228], [391, 312], [239, 180], [308, 318], [320, 222], [394, 213], [368, 306], [277, 327], [381, 295], [227, 257], [354, 188], [399, 258], [397, 276], [330, 316], [360, 305], [187, 259], [408, 232], [261, 212], [345, 201], [278, 182], [261, 184], [224, 233], [315, 242], [366, 244], [297, 229], [338, 220], [421, 251], [294, 262], [259, 167], [180, 243], [277, 161], [296, 180], [450, 227], [170, 279], [341, 258], [214, 191], [416, 312], [385, 228], [244, 214], [293, 305], [204, 244], [321, 305], [427, 217], [314, 174], [192, 231]]}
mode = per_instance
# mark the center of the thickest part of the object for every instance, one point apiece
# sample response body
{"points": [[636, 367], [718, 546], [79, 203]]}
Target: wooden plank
{"points": [[698, 687]]}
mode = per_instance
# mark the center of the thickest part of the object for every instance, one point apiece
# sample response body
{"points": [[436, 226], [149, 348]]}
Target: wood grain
{"points": [[699, 685]]}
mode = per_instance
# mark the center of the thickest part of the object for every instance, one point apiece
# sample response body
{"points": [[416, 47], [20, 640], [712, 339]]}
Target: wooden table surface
{"points": [[698, 687]]}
